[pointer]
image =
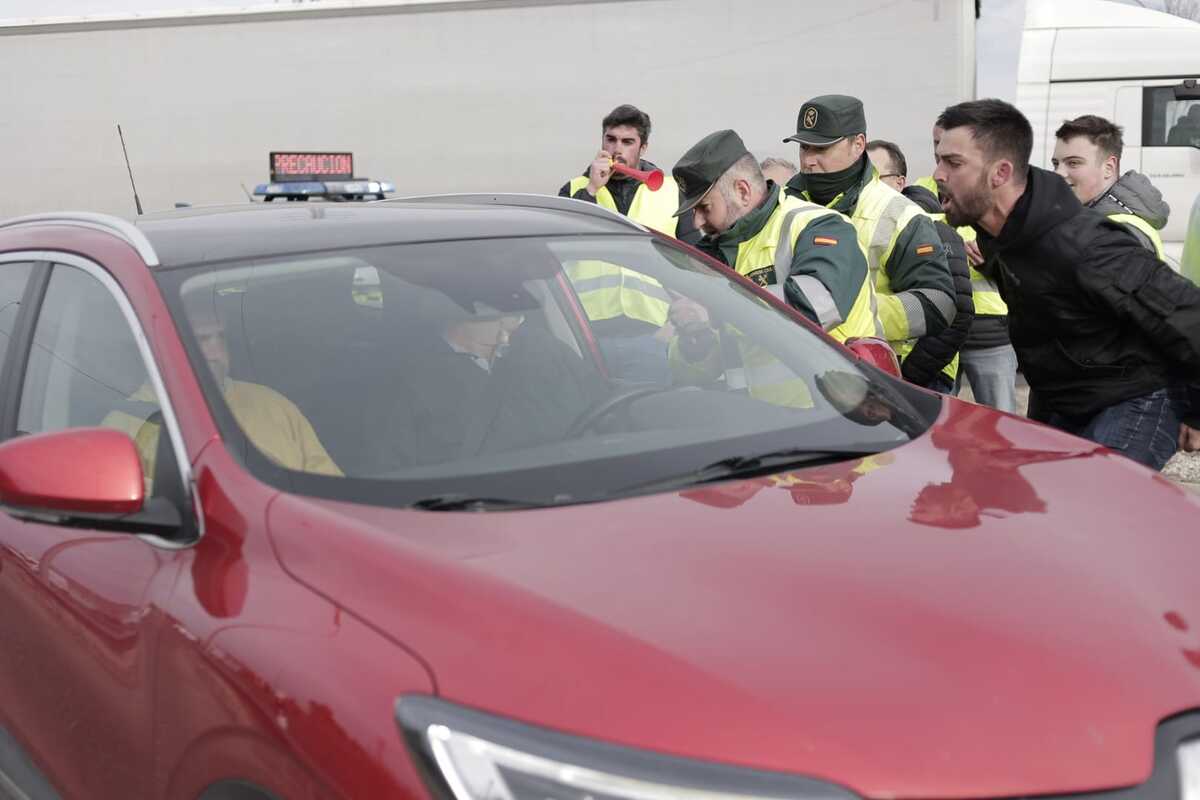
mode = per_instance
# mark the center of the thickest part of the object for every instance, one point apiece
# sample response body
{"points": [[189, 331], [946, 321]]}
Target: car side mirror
{"points": [[875, 352], [80, 477]]}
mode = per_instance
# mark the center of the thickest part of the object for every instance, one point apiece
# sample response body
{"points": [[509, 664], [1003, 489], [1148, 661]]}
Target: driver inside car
{"points": [[477, 380]]}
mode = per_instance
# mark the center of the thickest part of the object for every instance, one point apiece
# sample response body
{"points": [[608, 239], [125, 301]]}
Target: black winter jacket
{"points": [[1095, 318], [931, 353]]}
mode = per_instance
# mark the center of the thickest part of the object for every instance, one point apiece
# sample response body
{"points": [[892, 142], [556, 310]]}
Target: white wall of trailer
{"points": [[447, 96], [1096, 57]]}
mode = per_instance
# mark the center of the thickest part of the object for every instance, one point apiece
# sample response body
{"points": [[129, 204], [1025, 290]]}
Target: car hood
{"points": [[993, 609]]}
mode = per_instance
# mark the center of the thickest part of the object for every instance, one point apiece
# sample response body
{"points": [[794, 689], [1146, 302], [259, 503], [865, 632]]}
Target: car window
{"points": [[13, 279], [556, 369], [1167, 122], [85, 368]]}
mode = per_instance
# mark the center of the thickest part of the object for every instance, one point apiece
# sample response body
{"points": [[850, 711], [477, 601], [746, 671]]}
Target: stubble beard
{"points": [[969, 209]]}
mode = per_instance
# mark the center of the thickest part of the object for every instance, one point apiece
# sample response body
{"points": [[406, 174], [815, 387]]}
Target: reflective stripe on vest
{"points": [[770, 249], [609, 291], [879, 216], [1134, 221], [986, 295], [653, 209]]}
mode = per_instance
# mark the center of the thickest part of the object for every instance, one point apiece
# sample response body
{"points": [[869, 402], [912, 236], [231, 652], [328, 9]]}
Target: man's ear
{"points": [[744, 190], [1002, 173], [1111, 167], [642, 150], [858, 145]]}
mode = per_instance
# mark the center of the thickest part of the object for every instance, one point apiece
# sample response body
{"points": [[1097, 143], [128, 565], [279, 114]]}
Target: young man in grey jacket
{"points": [[1087, 154]]}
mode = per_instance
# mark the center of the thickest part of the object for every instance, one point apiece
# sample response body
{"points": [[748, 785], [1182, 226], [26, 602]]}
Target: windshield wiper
{"points": [[464, 502], [750, 466]]}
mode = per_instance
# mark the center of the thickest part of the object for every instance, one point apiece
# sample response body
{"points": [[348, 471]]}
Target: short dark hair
{"points": [[628, 115], [894, 153], [1099, 131], [998, 128]]}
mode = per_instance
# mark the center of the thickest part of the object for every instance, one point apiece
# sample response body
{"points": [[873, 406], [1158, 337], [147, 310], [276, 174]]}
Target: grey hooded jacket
{"points": [[1134, 194]]}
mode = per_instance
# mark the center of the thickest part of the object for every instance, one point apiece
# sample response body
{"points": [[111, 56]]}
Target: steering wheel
{"points": [[603, 408]]}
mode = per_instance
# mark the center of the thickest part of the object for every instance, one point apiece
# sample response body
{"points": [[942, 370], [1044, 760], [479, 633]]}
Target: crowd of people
{"points": [[986, 267]]}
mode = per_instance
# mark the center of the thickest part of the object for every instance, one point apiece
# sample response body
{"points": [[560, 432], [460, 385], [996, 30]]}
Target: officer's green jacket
{"points": [[904, 253]]}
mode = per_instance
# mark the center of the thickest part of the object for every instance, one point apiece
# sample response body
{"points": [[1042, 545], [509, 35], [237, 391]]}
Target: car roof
{"points": [[189, 236]]}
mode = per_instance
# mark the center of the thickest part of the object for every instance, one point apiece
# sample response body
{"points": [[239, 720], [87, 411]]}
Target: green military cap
{"points": [[706, 161], [827, 119]]}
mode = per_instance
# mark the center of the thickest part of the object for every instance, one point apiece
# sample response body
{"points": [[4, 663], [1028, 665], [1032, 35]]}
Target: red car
{"points": [[506, 497]]}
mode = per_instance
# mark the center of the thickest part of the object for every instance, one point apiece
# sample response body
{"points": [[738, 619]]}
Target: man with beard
{"points": [[908, 267], [1102, 328], [806, 254], [987, 360], [627, 309], [1087, 154]]}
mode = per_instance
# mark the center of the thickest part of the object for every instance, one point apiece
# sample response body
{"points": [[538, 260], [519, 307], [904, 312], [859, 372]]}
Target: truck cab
{"points": [[1132, 65]]}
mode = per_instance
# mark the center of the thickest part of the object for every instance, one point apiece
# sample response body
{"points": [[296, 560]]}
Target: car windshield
{"points": [[519, 372]]}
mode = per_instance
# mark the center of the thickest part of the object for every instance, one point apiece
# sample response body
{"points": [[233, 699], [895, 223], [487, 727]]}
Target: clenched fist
{"points": [[600, 172]]}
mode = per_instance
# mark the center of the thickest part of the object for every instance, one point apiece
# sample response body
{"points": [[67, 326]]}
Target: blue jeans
{"points": [[1145, 429], [637, 359], [992, 373]]}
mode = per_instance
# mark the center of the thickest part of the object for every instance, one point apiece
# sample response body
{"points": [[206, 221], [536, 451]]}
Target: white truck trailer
{"points": [[1129, 65], [446, 96]]}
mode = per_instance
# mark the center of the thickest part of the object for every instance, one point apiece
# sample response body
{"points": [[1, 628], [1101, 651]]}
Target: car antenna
{"points": [[136, 201]]}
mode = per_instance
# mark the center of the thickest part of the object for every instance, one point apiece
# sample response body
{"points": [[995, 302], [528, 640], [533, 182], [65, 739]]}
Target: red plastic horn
{"points": [[653, 178]]}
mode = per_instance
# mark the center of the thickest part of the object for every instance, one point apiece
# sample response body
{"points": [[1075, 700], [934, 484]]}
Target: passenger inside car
{"points": [[272, 422]]}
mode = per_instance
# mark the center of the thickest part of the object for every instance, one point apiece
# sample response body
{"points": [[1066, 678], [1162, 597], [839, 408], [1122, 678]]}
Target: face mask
{"points": [[824, 186]]}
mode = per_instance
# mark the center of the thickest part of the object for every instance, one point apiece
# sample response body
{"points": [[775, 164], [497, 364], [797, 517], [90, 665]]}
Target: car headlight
{"points": [[468, 755], [1188, 758]]}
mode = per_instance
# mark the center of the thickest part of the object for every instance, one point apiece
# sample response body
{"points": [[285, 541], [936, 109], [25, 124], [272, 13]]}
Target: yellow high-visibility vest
{"points": [[1135, 221], [880, 214], [653, 209], [768, 254], [609, 291]]}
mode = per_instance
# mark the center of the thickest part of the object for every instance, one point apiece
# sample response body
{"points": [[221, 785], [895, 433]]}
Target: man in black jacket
{"points": [[1103, 330]]}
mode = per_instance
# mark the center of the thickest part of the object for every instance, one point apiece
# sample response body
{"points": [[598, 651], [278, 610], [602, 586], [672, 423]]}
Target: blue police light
{"points": [[290, 189]]}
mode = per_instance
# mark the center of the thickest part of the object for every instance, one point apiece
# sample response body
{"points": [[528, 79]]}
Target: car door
{"points": [[81, 607]]}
